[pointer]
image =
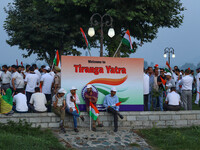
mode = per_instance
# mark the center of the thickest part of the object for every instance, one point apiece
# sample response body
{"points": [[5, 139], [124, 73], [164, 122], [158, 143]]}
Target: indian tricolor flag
{"points": [[167, 68], [163, 83], [86, 40], [94, 113], [127, 40], [117, 104], [56, 61]]}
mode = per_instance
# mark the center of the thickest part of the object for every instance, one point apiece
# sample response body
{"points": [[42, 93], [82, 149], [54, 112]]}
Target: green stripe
{"points": [[167, 70], [94, 117], [126, 42]]}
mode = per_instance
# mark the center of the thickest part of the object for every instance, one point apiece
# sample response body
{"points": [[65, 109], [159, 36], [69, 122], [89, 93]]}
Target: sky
{"points": [[185, 41]]}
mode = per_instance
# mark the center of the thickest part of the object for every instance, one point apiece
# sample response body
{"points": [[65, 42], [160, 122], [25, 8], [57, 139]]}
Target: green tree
{"points": [[42, 27]]}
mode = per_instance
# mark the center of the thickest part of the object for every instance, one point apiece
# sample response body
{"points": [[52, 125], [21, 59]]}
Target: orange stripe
{"points": [[109, 81], [95, 109]]}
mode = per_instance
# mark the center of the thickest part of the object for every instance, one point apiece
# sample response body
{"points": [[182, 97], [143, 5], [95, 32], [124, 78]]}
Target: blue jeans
{"points": [[154, 99], [161, 99], [149, 101], [75, 116]]}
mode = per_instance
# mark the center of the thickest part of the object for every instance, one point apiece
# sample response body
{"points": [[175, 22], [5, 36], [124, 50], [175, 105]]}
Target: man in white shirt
{"points": [[47, 83], [172, 101], [38, 101], [20, 103], [170, 81], [36, 70], [59, 105], [17, 81], [5, 78], [31, 82], [146, 91], [71, 101], [186, 95]]}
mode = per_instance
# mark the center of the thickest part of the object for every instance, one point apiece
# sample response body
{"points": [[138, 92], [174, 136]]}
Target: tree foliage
{"points": [[43, 26]]}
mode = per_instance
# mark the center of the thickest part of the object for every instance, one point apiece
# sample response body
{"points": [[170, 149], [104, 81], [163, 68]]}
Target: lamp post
{"points": [[102, 23], [168, 51]]}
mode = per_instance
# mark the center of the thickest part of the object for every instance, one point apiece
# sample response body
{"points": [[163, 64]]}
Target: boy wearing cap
{"points": [[170, 82], [109, 103], [71, 101], [91, 96], [59, 107]]}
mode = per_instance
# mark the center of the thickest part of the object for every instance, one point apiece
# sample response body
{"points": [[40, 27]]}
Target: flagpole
{"points": [[90, 117], [89, 52], [117, 49]]}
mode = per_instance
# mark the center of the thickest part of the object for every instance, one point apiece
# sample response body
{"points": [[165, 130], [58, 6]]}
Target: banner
{"points": [[126, 74]]}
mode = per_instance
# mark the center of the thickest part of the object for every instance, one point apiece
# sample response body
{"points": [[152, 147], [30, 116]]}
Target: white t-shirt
{"points": [[21, 102], [47, 83], [69, 103], [38, 100], [60, 100], [38, 73], [32, 81], [146, 84], [173, 98], [19, 81], [186, 82]]}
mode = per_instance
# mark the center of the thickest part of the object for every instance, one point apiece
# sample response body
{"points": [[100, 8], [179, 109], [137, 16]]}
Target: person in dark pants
{"points": [[109, 103], [172, 102], [146, 91]]}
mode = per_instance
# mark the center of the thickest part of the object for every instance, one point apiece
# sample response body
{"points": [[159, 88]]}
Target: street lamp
{"points": [[168, 51], [102, 23]]}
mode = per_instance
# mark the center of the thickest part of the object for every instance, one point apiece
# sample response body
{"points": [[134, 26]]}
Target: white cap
{"points": [[47, 68], [89, 86], [113, 89], [73, 88], [61, 90], [168, 74]]}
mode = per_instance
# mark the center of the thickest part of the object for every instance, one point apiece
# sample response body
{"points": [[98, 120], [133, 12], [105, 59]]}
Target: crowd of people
{"points": [[170, 89], [30, 89]]}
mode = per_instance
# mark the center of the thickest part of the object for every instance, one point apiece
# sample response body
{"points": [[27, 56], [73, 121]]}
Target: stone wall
{"points": [[136, 120]]}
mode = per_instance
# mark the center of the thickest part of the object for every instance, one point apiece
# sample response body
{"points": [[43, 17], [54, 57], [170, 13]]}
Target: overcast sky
{"points": [[185, 40]]}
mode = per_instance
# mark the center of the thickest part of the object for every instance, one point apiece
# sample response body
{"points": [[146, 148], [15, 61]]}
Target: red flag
{"points": [[162, 80], [168, 65], [117, 104], [21, 63], [86, 40]]}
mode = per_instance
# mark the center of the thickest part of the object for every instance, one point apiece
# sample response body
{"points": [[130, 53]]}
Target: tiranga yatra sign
{"points": [[103, 73]]}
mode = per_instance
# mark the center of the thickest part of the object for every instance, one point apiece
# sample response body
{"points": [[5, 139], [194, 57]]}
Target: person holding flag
{"points": [[111, 103], [161, 80], [72, 100], [91, 98]]}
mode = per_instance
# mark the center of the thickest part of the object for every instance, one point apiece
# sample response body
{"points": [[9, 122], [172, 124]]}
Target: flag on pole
{"points": [[163, 83], [127, 40], [86, 40], [21, 63], [94, 113], [56, 61]]}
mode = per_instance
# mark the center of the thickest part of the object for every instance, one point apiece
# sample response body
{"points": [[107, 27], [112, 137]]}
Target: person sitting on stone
{"points": [[38, 101], [59, 105], [172, 101], [109, 103], [72, 100], [20, 102], [6, 101], [91, 96]]}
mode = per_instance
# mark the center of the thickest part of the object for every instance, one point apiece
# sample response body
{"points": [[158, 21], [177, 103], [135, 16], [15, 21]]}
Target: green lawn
{"points": [[21, 136], [173, 139]]}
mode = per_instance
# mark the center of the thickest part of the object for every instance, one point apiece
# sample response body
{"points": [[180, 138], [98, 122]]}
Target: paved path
{"points": [[102, 139]]}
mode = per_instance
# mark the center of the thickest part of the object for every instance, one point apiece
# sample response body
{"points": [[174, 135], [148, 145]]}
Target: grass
{"points": [[21, 136], [173, 138]]}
